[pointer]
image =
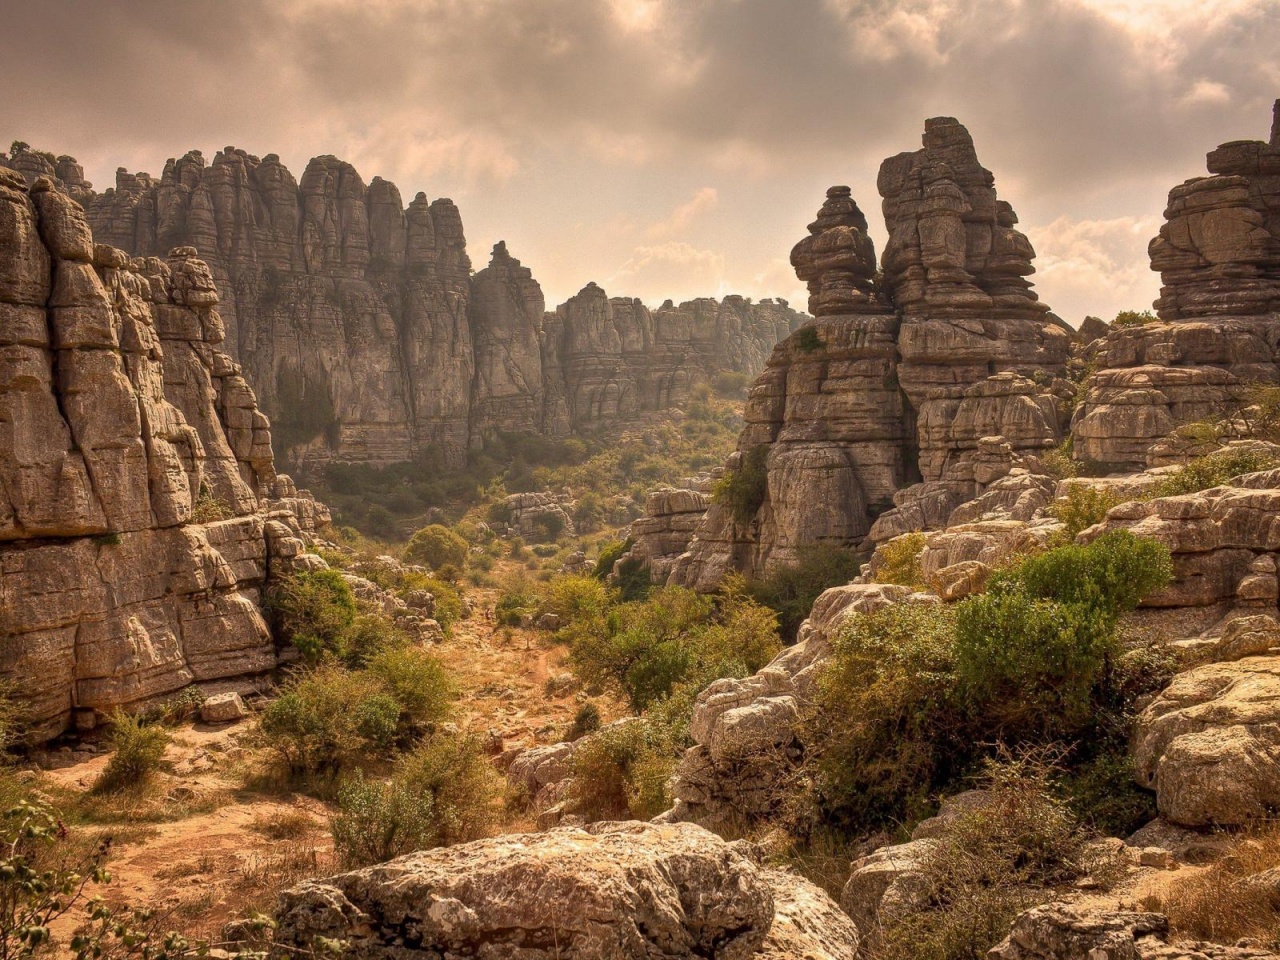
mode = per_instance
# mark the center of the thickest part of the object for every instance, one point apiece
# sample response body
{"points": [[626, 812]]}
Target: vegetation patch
{"points": [[742, 490]]}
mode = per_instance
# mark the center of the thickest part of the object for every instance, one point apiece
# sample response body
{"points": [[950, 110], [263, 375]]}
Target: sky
{"points": [[670, 148]]}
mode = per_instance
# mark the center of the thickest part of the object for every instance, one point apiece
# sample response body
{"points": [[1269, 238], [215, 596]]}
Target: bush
{"points": [[417, 682], [1213, 470], [1082, 507], [992, 863], [518, 600], [645, 649], [586, 720], [463, 787], [1134, 318], [742, 491], [790, 590], [899, 561], [1228, 900], [622, 772], [377, 821], [436, 546], [632, 579], [608, 556], [891, 728], [329, 718], [1112, 573], [442, 793], [730, 384], [312, 610], [137, 753]]}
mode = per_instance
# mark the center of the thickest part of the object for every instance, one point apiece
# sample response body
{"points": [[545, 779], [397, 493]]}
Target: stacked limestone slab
{"points": [[118, 413], [888, 402], [1218, 254], [360, 325]]}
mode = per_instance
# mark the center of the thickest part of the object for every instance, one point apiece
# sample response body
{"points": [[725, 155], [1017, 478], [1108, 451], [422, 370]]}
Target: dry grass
{"points": [[1237, 897], [285, 825]]}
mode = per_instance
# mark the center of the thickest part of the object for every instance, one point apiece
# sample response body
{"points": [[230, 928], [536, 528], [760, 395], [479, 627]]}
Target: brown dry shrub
{"points": [[1236, 897]]}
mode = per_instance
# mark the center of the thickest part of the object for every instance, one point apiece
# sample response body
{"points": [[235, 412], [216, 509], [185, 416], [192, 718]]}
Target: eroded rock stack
{"points": [[359, 324], [894, 396], [120, 420], [1218, 254]]}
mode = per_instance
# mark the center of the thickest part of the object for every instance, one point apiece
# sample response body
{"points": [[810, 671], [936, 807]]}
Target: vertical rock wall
{"points": [[359, 323], [118, 413]]}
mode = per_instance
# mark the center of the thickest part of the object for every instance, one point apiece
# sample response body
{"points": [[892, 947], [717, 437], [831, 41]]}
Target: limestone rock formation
{"points": [[120, 418], [618, 890], [358, 323], [1218, 254], [893, 398]]}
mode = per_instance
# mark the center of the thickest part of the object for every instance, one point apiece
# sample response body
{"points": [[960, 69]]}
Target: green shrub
{"points": [[632, 579], [743, 490], [209, 509], [575, 598], [1104, 794], [645, 649], [1031, 664], [1213, 470], [367, 637], [312, 610], [137, 753], [1082, 507], [608, 556], [586, 720], [436, 546], [1112, 573], [377, 821], [327, 719], [463, 787], [418, 684], [900, 561], [791, 589], [622, 772], [518, 600], [891, 727], [1134, 318]]}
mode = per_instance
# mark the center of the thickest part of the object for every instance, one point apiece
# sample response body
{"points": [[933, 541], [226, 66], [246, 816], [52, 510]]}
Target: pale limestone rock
{"points": [[1209, 744], [613, 890], [223, 708]]}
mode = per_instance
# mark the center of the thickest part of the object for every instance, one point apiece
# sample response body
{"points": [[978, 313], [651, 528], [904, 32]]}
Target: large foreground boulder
{"points": [[614, 890]]}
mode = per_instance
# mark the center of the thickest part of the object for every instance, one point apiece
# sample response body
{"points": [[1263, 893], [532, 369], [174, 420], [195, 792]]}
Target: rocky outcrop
{"points": [[613, 890], [122, 424], [359, 324], [1218, 254], [671, 517], [1061, 931], [893, 396]]}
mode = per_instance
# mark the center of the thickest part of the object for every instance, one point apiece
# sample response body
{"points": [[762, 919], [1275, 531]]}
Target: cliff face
{"points": [[118, 415], [872, 418], [359, 322], [1218, 254]]}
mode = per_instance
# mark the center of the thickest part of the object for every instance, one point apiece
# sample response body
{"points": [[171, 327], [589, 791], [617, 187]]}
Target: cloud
{"points": [[1084, 109], [677, 268], [680, 218], [1096, 267]]}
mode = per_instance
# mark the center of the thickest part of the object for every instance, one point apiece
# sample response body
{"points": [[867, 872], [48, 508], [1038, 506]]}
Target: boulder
{"points": [[613, 890]]}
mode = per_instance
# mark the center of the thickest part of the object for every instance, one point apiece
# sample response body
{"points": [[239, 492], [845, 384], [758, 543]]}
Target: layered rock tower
{"points": [[884, 406], [121, 420], [359, 322], [1218, 255]]}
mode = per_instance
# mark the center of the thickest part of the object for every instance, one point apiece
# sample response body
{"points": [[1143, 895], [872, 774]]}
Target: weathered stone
{"points": [[613, 890], [223, 708]]}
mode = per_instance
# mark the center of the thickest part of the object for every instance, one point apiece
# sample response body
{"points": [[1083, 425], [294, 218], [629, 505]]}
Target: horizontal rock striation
{"points": [[121, 424], [896, 393], [360, 325], [1218, 254]]}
